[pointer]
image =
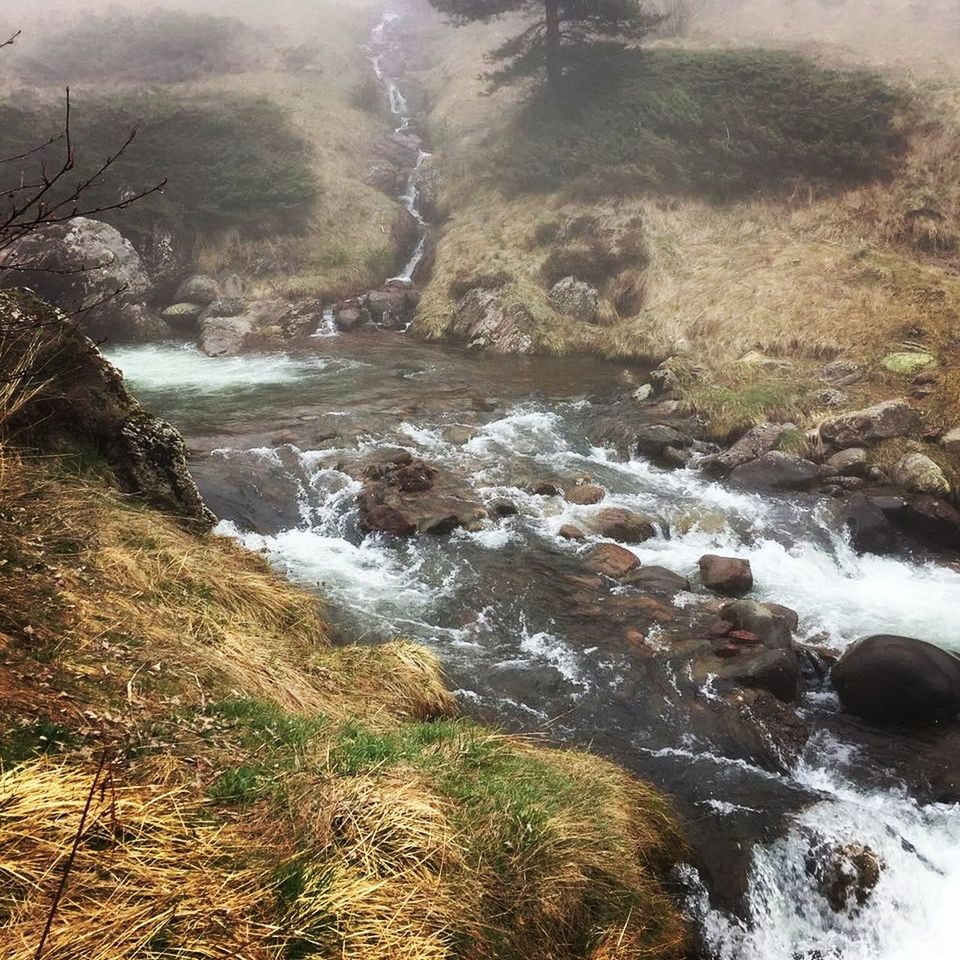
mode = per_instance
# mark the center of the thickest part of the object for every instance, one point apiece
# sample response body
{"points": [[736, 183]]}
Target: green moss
{"points": [[907, 363]]}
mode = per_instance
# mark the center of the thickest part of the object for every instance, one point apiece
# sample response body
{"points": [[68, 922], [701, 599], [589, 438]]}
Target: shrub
{"points": [[720, 123]]}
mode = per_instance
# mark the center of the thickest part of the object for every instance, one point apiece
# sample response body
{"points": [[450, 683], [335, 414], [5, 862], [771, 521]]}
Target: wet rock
{"points": [[644, 393], [656, 439], [586, 494], [884, 421], [198, 289], [889, 679], [84, 405], [776, 471], [545, 488], [657, 581], [182, 316], [933, 520], [918, 473], [852, 462], [772, 623], [411, 496], [350, 316], [88, 269], [726, 575], [617, 523], [705, 521], [224, 336], [846, 874], [569, 532], [391, 307], [459, 435], [576, 299], [485, 322], [870, 530], [756, 442], [501, 508], [663, 380], [611, 560]]}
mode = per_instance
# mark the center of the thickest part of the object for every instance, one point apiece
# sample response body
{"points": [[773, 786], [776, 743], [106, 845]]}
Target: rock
{"points": [[869, 528], [908, 362], [485, 322], [851, 462], [884, 421], [918, 473], [585, 494], [706, 522], [576, 299], [657, 581], [392, 306], [611, 560], [933, 520], [86, 268], [829, 397], [846, 874], [772, 623], [842, 373], [84, 405], [644, 393], [726, 575], [224, 307], [753, 444], [545, 488], [776, 471], [617, 523], [232, 287], [182, 316], [199, 289], [502, 507], [663, 380], [951, 441], [888, 679], [350, 317], [224, 336], [385, 177], [569, 532], [654, 440]]}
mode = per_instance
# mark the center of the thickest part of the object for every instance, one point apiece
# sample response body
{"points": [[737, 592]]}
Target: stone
{"points": [[224, 336], [87, 268], [611, 560], [708, 522], [654, 440], [869, 528], [586, 494], [348, 318], [933, 520], [829, 397], [644, 393], [753, 444], [545, 488], [199, 289], [503, 507], [883, 421], [776, 471], [890, 679], [182, 316], [569, 532], [726, 575], [626, 526], [576, 299], [950, 441], [663, 380], [852, 462], [907, 363], [657, 581], [842, 373], [485, 322], [918, 473], [846, 874], [772, 623]]}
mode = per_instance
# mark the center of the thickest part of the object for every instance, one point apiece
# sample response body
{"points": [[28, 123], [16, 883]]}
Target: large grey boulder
{"points": [[225, 336], [852, 462], [576, 299], [888, 679], [485, 322], [884, 421], [90, 271], [760, 440], [198, 289], [776, 471], [918, 473]]}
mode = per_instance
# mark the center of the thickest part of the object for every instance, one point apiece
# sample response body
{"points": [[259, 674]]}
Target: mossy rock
{"points": [[907, 362], [182, 313]]}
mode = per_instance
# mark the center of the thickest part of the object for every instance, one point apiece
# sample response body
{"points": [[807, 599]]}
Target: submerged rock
{"points": [[888, 679]]}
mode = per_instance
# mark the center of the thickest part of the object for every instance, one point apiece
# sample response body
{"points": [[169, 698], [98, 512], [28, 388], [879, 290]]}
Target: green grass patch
{"points": [[732, 409], [24, 743], [718, 123]]}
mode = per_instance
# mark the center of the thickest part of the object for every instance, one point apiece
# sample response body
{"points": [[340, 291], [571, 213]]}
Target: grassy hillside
{"points": [[724, 199], [265, 123]]}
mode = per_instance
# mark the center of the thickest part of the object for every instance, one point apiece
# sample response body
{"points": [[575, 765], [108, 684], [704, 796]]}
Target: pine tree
{"points": [[562, 29]]}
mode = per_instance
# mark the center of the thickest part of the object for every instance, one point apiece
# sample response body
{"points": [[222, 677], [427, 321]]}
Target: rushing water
{"points": [[269, 431]]}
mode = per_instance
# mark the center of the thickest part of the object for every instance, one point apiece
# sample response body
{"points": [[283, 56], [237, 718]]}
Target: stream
{"points": [[524, 647]]}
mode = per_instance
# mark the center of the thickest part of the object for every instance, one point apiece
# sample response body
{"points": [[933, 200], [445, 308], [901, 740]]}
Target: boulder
{"points": [[852, 462], [842, 373], [224, 336], [84, 405], [182, 316], [86, 268], [569, 532], [933, 520], [586, 494], [918, 473], [907, 363], [846, 874], [869, 528], [663, 379], [611, 560], [950, 441], [884, 421], [198, 289], [889, 679], [756, 442], [502, 507], [485, 322], [618, 523], [776, 471], [656, 581], [726, 575], [576, 299], [655, 440], [350, 317]]}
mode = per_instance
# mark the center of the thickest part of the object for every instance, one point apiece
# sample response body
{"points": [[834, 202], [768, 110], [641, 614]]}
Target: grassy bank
{"points": [[725, 200]]}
